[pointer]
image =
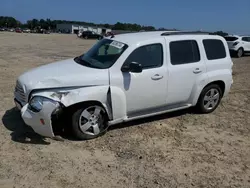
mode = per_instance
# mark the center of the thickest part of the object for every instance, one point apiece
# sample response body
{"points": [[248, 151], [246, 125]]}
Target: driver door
{"points": [[146, 91]]}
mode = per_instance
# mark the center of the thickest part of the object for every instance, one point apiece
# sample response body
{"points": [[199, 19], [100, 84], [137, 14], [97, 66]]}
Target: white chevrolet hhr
{"points": [[126, 77]]}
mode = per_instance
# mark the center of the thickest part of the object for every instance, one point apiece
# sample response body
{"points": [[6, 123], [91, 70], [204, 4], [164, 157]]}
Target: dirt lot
{"points": [[174, 150]]}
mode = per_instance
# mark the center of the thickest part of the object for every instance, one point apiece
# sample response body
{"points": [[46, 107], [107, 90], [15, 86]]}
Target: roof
{"points": [[134, 38], [137, 36]]}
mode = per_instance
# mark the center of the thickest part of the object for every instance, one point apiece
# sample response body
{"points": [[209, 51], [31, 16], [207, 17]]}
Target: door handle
{"points": [[197, 70], [157, 77]]}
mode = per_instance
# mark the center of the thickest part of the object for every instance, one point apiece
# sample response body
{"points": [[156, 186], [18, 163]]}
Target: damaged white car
{"points": [[123, 78]]}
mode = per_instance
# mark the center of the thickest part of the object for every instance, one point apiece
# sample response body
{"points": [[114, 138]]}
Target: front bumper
{"points": [[40, 122]]}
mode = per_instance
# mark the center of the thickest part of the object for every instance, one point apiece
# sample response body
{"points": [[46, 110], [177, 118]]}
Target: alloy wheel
{"points": [[211, 99], [91, 120]]}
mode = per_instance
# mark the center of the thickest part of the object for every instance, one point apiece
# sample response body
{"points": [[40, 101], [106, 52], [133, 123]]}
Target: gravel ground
{"points": [[180, 149]]}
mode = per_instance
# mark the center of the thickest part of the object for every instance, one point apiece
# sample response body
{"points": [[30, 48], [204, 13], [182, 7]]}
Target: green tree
{"points": [[6, 21], [221, 33]]}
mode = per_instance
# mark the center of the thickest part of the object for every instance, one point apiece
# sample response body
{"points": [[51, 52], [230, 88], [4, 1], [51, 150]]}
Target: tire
{"points": [[209, 99], [89, 122], [240, 53], [86, 37]]}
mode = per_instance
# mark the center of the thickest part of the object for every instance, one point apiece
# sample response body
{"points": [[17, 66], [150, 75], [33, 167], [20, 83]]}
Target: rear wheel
{"points": [[89, 122], [86, 37], [240, 52], [209, 99]]}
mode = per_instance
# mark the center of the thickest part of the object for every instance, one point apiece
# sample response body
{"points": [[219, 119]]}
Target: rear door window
{"points": [[183, 52], [214, 48]]}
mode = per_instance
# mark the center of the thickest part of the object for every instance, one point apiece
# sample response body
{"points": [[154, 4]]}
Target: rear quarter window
{"points": [[231, 38], [214, 49]]}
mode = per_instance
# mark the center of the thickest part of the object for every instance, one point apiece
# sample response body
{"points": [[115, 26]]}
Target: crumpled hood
{"points": [[66, 73]]}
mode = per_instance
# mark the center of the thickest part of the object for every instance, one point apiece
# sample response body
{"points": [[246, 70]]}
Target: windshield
{"points": [[231, 38], [103, 54]]}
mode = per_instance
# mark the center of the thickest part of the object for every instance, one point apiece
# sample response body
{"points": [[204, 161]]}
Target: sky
{"points": [[232, 16]]}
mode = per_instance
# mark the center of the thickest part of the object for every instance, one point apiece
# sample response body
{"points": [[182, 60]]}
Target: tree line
{"points": [[49, 24]]}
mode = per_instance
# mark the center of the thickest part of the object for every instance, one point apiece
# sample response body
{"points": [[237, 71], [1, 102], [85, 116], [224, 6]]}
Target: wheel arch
{"points": [[72, 108], [242, 48], [220, 83]]}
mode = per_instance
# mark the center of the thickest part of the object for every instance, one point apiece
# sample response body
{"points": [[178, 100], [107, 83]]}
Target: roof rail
{"points": [[186, 33]]}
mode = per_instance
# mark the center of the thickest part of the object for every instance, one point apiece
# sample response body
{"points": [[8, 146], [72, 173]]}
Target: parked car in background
{"points": [[18, 30], [79, 34], [109, 34], [90, 35], [26, 30], [3, 29], [11, 29], [238, 45], [106, 85], [46, 31], [33, 31]]}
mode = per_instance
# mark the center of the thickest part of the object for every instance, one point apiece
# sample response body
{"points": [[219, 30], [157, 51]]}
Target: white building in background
{"points": [[74, 28]]}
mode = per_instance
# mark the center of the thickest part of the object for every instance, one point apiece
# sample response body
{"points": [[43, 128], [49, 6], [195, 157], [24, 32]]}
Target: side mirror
{"points": [[132, 67]]}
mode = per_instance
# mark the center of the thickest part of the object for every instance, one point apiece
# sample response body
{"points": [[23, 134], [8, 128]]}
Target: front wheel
{"points": [[89, 122], [209, 99]]}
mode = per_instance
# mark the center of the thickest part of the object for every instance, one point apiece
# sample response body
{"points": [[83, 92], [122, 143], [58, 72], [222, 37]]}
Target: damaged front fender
{"points": [[71, 96], [41, 121]]}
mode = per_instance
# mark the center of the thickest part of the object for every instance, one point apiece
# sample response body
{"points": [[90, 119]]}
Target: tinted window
{"points": [[183, 52], [231, 38], [246, 39], [149, 56], [214, 49]]}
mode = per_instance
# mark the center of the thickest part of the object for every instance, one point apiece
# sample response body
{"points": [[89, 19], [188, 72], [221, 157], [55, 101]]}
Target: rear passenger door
{"points": [[186, 70]]}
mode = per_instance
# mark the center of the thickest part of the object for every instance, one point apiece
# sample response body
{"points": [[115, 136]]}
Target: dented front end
{"points": [[46, 109], [41, 121]]}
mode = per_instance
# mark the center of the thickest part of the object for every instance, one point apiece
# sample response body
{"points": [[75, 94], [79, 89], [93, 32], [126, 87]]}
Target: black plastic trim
{"points": [[186, 33]]}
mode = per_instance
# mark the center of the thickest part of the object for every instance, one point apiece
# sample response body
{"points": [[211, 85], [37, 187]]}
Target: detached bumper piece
{"points": [[41, 122]]}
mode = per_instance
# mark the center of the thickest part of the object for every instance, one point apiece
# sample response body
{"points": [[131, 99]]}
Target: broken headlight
{"points": [[36, 104]]}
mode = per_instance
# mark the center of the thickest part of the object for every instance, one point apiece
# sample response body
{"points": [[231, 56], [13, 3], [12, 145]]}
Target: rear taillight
{"points": [[234, 44]]}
